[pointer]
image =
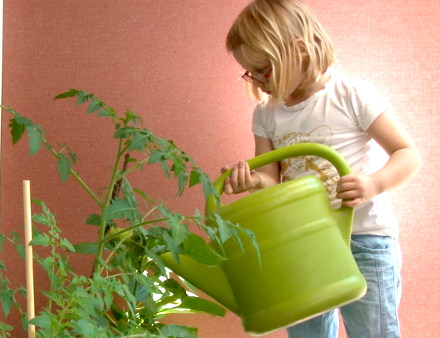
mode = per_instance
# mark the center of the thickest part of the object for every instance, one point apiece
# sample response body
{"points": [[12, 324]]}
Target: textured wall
{"points": [[166, 61]]}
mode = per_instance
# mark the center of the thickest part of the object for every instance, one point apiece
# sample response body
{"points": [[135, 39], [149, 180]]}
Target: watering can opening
{"points": [[306, 265]]}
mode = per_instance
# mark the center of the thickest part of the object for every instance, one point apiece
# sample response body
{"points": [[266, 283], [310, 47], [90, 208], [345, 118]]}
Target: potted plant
{"points": [[128, 289]]}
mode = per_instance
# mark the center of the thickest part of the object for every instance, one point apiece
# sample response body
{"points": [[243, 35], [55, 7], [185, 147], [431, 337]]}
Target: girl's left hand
{"points": [[355, 189]]}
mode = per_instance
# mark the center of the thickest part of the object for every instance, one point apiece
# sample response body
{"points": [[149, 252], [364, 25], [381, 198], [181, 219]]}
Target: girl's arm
{"points": [[404, 161], [243, 179]]}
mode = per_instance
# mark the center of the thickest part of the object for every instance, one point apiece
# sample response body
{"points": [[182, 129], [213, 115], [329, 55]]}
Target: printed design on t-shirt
{"points": [[296, 167]]}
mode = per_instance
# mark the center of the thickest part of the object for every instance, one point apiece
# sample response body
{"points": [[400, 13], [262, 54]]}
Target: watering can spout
{"points": [[209, 279]]}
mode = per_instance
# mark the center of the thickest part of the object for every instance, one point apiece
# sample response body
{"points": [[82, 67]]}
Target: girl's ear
{"points": [[302, 47]]}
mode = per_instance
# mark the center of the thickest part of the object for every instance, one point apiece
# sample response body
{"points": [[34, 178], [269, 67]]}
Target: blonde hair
{"points": [[281, 34]]}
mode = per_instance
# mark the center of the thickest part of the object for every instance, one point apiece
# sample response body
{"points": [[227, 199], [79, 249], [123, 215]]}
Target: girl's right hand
{"points": [[241, 179]]}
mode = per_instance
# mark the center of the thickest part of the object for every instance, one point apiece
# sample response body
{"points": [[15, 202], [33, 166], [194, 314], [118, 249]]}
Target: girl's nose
{"points": [[264, 86]]}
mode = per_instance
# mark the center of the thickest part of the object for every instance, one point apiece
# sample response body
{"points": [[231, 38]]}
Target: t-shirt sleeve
{"points": [[368, 103], [259, 122]]}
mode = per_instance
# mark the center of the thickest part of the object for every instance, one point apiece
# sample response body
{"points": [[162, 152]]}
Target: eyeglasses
{"points": [[260, 77]]}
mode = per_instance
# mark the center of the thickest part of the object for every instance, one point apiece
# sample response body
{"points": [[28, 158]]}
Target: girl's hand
{"points": [[355, 189], [241, 179]]}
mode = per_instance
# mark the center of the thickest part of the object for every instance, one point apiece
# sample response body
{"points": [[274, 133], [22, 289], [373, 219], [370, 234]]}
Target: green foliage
{"points": [[129, 289]]}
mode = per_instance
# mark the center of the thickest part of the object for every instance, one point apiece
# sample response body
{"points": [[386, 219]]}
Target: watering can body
{"points": [[305, 268]]}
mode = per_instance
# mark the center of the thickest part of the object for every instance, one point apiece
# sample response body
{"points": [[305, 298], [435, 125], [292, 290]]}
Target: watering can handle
{"points": [[301, 149]]}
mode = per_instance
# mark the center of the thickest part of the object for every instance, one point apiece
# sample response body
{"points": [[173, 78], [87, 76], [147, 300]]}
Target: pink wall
{"points": [[166, 61]]}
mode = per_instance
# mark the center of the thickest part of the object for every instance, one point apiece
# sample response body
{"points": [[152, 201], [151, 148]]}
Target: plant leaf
{"points": [[34, 134], [125, 132], [130, 117], [106, 113], [83, 97], [18, 245], [140, 140], [5, 327], [143, 195], [251, 236], [67, 245], [93, 219], [40, 219], [17, 130], [223, 227], [95, 105], [194, 178], [171, 244], [2, 240], [133, 215], [196, 304], [70, 93], [64, 167], [7, 298], [86, 248], [175, 221], [178, 331], [41, 239], [173, 286], [84, 328], [198, 249], [119, 209], [42, 321]]}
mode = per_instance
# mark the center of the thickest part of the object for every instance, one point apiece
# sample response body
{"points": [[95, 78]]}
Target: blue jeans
{"points": [[374, 315]]}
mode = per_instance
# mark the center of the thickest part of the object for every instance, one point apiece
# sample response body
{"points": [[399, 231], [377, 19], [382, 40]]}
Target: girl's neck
{"points": [[300, 95]]}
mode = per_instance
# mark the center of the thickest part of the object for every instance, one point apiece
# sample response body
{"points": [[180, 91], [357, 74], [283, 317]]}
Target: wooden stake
{"points": [[29, 256]]}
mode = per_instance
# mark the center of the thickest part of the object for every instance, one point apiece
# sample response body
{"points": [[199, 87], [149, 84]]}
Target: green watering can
{"points": [[306, 265]]}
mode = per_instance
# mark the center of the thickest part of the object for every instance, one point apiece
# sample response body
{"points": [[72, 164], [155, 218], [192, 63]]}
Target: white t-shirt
{"points": [[337, 116]]}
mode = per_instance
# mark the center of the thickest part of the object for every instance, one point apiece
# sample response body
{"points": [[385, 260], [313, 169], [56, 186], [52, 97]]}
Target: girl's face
{"points": [[255, 72]]}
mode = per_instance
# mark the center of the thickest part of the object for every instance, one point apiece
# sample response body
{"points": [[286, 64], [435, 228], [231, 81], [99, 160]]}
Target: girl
{"points": [[288, 57]]}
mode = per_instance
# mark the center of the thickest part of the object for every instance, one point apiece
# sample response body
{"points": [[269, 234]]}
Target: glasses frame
{"points": [[260, 77]]}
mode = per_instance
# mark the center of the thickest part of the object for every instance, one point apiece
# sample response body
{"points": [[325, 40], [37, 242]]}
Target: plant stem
{"points": [[51, 279], [74, 173], [109, 238], [86, 187], [134, 167], [105, 205]]}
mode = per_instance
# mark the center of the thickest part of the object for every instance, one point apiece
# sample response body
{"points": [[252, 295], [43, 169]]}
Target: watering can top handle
{"points": [[301, 149]]}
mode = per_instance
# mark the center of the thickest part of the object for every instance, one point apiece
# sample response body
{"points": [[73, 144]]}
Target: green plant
{"points": [[129, 289]]}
